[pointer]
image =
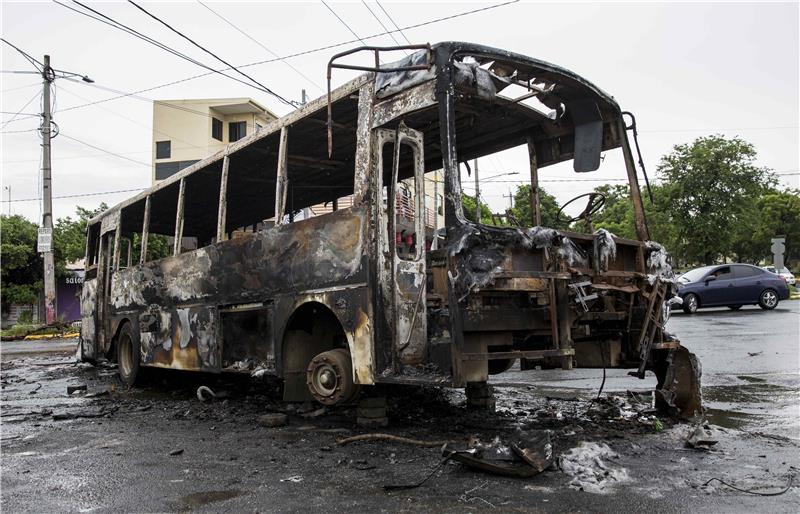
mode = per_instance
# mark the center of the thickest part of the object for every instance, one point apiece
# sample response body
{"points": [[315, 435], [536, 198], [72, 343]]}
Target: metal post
{"points": [[47, 197], [536, 210], [145, 231], [8, 188], [640, 221], [176, 248], [435, 203], [477, 195], [303, 96], [223, 199]]}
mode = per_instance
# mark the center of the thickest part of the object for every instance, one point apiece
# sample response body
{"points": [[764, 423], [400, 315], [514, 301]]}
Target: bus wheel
{"points": [[330, 377], [128, 355]]}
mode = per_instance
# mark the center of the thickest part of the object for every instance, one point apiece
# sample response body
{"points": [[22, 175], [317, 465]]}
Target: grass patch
{"points": [[21, 330]]}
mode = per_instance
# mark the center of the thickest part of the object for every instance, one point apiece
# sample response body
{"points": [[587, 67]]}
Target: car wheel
{"points": [[128, 356], [690, 303], [768, 299], [734, 307]]}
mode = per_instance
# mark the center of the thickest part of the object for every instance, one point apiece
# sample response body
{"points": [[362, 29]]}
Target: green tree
{"points": [[69, 236], [548, 206], [775, 213], [22, 267], [708, 186], [468, 206]]}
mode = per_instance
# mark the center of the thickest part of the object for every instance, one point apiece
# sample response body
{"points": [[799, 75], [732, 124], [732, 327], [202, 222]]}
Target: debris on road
{"points": [[273, 420], [394, 438], [93, 413], [585, 464], [295, 479], [72, 389], [174, 453], [701, 438], [205, 394], [755, 354], [679, 393], [522, 458], [315, 413]]}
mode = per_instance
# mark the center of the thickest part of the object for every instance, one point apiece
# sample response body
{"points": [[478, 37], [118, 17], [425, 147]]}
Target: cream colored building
{"points": [[186, 131]]}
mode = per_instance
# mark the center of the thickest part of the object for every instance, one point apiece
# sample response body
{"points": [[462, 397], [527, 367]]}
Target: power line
{"points": [[259, 43], [34, 62], [115, 113], [396, 42], [795, 127], [21, 87], [19, 131], [120, 26], [289, 56], [353, 32], [393, 22], [34, 97], [77, 195], [212, 54], [109, 152]]}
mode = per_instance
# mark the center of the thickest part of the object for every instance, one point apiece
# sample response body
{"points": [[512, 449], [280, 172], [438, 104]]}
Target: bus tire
{"points": [[128, 356], [329, 377]]}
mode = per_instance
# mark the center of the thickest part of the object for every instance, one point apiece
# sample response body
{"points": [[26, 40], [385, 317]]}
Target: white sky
{"points": [[684, 69]]}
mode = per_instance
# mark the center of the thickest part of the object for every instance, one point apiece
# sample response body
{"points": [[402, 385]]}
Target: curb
{"points": [[51, 336]]}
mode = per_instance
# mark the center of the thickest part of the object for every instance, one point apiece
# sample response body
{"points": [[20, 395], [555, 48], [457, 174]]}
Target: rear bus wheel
{"points": [[128, 356], [329, 377]]}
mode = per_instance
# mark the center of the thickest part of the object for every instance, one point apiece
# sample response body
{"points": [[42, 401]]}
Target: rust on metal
{"points": [[288, 246]]}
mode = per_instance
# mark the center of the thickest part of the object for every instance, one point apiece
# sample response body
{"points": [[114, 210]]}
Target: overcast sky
{"points": [[685, 69]]}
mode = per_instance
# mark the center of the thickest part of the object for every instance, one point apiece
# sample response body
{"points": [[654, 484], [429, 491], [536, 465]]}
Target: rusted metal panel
{"points": [[351, 307], [109, 222], [89, 317], [180, 338], [316, 252]]}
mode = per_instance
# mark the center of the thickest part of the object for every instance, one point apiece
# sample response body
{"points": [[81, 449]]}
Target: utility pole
{"points": [[510, 199], [48, 76], [8, 188], [435, 202], [477, 194]]}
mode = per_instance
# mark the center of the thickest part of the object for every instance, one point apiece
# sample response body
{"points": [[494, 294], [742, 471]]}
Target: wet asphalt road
{"points": [[759, 391], [115, 455]]}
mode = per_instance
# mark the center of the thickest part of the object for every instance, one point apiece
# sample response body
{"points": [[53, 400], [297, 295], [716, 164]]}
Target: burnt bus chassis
{"points": [[332, 306]]}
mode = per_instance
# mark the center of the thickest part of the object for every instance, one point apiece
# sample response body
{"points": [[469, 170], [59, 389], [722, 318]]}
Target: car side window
{"points": [[723, 273], [745, 271]]}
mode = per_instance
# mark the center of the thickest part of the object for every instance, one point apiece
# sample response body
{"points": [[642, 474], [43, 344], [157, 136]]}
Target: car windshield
{"points": [[694, 275]]}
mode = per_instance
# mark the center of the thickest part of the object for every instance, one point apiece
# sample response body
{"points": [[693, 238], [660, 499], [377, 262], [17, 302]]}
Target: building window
{"points": [[236, 130], [163, 149], [167, 169], [216, 129]]}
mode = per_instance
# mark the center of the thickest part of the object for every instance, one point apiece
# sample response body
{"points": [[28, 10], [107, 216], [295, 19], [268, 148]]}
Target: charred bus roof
{"points": [[487, 120]]}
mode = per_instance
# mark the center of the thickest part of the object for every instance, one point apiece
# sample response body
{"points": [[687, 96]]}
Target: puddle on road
{"points": [[200, 499], [754, 405]]}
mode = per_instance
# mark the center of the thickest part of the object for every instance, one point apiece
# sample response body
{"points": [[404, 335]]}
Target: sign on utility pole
{"points": [[778, 248], [46, 232]]}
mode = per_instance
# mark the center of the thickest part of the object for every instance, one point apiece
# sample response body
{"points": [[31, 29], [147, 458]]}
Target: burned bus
{"points": [[329, 303]]}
